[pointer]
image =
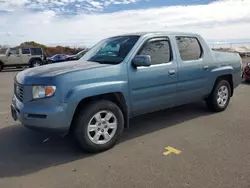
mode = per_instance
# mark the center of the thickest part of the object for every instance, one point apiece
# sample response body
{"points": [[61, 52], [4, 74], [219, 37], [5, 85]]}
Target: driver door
{"points": [[154, 88], [14, 57]]}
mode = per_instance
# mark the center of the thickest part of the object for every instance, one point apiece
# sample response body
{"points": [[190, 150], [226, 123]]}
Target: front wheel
{"points": [[98, 126], [49, 62], [1, 66], [220, 96]]}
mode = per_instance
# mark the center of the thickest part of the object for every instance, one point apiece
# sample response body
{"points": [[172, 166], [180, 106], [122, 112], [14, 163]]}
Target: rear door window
{"points": [[25, 51], [189, 48]]}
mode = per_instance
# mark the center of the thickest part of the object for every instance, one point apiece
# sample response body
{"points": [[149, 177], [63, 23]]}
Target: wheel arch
{"points": [[227, 77], [1, 63], [34, 58], [115, 97]]}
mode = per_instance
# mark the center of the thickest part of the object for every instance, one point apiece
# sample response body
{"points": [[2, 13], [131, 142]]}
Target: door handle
{"points": [[171, 72], [206, 67]]}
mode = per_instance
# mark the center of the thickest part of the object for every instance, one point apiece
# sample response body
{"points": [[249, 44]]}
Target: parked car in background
{"points": [[57, 58], [76, 56], [246, 72], [18, 57], [122, 77]]}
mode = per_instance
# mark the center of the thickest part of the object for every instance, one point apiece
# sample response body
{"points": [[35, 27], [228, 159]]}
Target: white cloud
{"points": [[94, 5], [220, 20], [11, 5]]}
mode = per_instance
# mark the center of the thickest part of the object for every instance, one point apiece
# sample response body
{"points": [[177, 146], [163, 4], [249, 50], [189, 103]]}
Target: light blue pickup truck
{"points": [[122, 77]]}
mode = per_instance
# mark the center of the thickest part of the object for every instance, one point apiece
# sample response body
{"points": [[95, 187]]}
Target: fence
{"points": [[230, 45]]}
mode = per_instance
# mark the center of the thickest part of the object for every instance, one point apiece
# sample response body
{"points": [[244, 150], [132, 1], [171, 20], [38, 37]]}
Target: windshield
{"points": [[81, 52], [54, 56], [112, 50]]}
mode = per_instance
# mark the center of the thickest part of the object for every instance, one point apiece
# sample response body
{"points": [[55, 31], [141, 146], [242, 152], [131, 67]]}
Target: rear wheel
{"points": [[36, 63], [220, 96], [50, 62], [98, 126]]}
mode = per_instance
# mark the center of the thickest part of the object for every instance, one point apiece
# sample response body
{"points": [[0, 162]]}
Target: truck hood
{"points": [[46, 73]]}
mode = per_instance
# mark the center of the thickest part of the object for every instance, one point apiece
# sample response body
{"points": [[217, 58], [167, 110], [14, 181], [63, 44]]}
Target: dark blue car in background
{"points": [[57, 58]]}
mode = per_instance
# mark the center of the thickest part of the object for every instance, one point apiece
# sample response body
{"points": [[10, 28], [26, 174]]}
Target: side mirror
{"points": [[8, 54], [141, 61]]}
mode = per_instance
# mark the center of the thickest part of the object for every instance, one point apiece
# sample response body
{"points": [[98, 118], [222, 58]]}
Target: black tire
{"points": [[83, 118], [50, 62], [212, 102], [36, 63], [1, 66]]}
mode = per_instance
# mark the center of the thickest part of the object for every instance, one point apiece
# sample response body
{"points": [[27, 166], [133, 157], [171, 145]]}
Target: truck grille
{"points": [[19, 91]]}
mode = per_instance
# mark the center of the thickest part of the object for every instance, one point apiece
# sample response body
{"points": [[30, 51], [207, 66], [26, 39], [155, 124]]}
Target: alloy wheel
{"points": [[102, 127], [222, 96]]}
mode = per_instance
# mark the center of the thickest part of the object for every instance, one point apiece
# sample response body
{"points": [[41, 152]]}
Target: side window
{"points": [[57, 56], [14, 51], [36, 51], [158, 49], [189, 48], [25, 51]]}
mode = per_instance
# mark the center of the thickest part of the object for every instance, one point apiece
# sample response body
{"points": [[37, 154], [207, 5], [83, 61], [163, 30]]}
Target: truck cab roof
{"points": [[159, 33]]}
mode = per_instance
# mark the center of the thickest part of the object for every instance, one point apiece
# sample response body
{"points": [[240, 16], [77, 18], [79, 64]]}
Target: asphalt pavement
{"points": [[187, 146]]}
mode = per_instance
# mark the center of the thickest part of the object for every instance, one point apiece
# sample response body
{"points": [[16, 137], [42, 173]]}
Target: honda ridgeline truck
{"points": [[122, 77]]}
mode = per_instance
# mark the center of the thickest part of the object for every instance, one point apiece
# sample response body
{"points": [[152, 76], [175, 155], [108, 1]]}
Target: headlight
{"points": [[43, 91]]}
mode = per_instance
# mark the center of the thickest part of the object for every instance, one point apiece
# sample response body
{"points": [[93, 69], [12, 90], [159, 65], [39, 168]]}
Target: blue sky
{"points": [[91, 6], [72, 7], [85, 22], [155, 3]]}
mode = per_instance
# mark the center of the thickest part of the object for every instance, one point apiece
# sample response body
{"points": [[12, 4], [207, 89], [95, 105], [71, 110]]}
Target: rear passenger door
{"points": [[192, 69], [153, 88], [25, 55]]}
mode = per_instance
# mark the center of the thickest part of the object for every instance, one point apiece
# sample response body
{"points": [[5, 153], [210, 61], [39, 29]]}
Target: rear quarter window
{"points": [[36, 51], [189, 48]]}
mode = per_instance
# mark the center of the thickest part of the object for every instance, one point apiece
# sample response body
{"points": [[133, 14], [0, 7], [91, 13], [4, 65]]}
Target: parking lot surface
{"points": [[214, 150]]}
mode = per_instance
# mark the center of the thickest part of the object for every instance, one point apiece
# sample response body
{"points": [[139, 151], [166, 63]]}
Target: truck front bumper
{"points": [[39, 118]]}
